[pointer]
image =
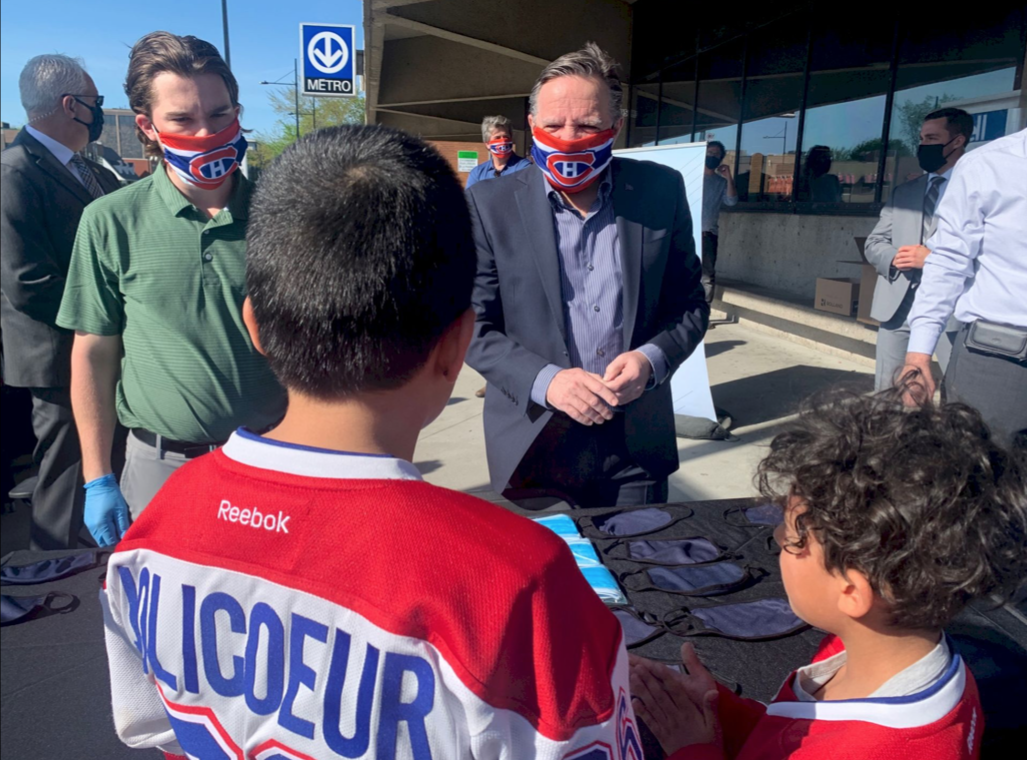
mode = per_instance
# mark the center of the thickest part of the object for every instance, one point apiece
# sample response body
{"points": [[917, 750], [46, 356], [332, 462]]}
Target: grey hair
{"points": [[590, 61], [46, 78], [491, 123]]}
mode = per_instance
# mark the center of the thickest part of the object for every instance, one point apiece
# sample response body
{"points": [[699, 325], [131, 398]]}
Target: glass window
{"points": [[720, 96], [976, 67], [773, 98], [850, 72], [678, 100], [644, 106]]}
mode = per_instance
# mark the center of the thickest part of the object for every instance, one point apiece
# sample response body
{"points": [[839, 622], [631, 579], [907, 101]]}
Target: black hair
{"points": [[920, 500], [718, 144], [957, 121], [360, 255]]}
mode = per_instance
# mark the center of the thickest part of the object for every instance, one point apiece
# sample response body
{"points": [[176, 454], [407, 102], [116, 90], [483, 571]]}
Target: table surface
{"points": [[55, 695]]}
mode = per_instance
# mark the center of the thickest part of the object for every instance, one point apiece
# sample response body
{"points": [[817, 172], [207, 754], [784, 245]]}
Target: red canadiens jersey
{"points": [[942, 722], [277, 602]]}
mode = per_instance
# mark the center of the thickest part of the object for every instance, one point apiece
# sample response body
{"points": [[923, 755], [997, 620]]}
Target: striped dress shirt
{"points": [[591, 288]]}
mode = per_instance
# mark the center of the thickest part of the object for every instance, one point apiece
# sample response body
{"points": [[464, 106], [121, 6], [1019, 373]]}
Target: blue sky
{"points": [[264, 39]]}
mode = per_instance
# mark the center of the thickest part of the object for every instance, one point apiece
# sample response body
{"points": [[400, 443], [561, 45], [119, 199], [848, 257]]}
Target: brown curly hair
{"points": [[920, 500]]}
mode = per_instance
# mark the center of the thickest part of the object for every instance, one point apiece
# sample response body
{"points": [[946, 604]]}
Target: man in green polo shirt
{"points": [[156, 286]]}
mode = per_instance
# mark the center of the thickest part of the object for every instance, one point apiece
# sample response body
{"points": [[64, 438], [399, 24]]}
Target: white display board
{"points": [[690, 385]]}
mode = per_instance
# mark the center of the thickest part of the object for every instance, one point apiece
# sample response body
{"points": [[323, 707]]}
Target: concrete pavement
{"points": [[760, 379]]}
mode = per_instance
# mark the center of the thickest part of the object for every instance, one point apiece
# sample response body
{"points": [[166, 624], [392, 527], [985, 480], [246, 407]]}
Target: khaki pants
{"points": [[146, 470]]}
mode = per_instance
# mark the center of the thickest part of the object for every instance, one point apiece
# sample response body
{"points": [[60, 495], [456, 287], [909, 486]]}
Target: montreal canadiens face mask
{"points": [[572, 165], [501, 146], [205, 162]]}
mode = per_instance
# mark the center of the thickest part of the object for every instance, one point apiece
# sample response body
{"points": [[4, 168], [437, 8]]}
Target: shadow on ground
{"points": [[722, 347], [773, 395]]}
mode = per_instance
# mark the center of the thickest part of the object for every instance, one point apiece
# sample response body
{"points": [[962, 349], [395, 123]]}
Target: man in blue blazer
{"points": [[588, 298]]}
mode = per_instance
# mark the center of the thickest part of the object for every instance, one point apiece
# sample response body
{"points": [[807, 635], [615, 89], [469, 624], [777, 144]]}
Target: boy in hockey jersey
{"points": [[894, 520], [301, 592]]}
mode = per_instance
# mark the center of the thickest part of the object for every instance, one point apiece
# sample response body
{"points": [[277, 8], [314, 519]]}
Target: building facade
{"points": [[820, 109]]}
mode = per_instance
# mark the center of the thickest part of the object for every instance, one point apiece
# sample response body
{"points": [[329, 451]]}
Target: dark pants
{"points": [[58, 500], [709, 264], [590, 465], [994, 385]]}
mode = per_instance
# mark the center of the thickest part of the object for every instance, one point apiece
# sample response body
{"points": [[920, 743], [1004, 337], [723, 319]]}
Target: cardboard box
{"points": [[836, 295]]}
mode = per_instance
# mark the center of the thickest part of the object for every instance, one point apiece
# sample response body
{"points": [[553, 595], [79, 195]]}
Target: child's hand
{"points": [[679, 709]]}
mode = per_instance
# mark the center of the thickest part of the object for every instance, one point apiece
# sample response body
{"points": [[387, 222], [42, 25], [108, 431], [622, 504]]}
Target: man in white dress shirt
{"points": [[978, 270], [46, 185]]}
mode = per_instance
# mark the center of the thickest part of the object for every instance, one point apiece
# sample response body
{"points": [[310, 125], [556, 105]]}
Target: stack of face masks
{"points": [[599, 578]]}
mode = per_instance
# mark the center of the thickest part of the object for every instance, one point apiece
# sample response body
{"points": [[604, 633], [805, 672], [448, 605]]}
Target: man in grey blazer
{"points": [[588, 297], [45, 187], [897, 246]]}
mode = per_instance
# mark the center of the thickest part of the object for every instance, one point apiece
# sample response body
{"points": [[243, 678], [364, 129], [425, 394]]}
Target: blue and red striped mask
{"points": [[205, 162], [572, 165], [501, 146]]}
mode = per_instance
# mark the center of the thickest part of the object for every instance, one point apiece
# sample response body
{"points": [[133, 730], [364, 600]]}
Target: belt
{"points": [[188, 450]]}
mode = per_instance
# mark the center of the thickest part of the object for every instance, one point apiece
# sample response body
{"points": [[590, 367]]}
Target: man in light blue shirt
{"points": [[978, 271], [497, 134]]}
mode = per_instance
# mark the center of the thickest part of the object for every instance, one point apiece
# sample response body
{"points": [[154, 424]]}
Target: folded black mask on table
{"points": [[746, 621], [637, 522], [50, 569], [671, 552], [639, 627], [747, 517], [14, 608], [692, 580]]}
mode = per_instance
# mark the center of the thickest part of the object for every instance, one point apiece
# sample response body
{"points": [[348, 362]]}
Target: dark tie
{"points": [[930, 204], [89, 179]]}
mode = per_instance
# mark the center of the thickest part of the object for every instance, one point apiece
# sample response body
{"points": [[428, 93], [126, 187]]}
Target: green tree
{"points": [[314, 114], [870, 150], [911, 115]]}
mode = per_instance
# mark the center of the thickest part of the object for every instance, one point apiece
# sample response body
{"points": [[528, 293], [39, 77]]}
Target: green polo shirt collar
{"points": [[238, 203]]}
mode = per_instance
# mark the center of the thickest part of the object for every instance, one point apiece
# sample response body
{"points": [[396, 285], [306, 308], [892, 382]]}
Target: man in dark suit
{"points": [[46, 185], [588, 298]]}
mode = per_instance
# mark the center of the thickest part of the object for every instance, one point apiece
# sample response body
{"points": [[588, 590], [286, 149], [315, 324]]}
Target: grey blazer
{"points": [[41, 202], [900, 224], [520, 324]]}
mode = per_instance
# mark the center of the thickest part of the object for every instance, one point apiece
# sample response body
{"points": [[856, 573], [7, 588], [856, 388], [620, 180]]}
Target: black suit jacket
{"points": [[41, 202], [520, 311]]}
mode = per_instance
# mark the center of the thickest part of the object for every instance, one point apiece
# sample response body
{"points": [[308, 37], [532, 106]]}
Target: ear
{"points": [[531, 121], [856, 597], [250, 320], [452, 347], [146, 125], [617, 127], [68, 106]]}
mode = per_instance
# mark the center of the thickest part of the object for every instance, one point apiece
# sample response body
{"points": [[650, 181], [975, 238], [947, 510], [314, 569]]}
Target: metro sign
{"points": [[329, 57]]}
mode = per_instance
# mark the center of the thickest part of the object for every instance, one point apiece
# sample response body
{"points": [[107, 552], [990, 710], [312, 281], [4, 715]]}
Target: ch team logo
{"points": [[627, 734], [212, 166], [569, 169]]}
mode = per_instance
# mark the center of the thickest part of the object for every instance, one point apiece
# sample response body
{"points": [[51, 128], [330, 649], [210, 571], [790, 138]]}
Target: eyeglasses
{"points": [[795, 546], [99, 98]]}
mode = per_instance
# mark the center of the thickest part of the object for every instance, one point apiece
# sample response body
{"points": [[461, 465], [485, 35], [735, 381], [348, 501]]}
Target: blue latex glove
{"points": [[107, 515]]}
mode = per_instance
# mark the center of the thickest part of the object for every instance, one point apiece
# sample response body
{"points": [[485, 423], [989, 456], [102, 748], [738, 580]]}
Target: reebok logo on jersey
{"points": [[253, 517]]}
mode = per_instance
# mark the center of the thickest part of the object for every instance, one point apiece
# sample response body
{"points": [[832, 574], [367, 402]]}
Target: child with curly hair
{"points": [[895, 519]]}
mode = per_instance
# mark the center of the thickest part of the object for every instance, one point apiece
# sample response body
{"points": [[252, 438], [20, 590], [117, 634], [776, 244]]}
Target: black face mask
{"points": [[693, 580], [712, 162], [932, 157], [631, 523], [638, 627], [672, 552], [747, 517], [759, 620], [96, 126], [14, 608], [50, 569]]}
